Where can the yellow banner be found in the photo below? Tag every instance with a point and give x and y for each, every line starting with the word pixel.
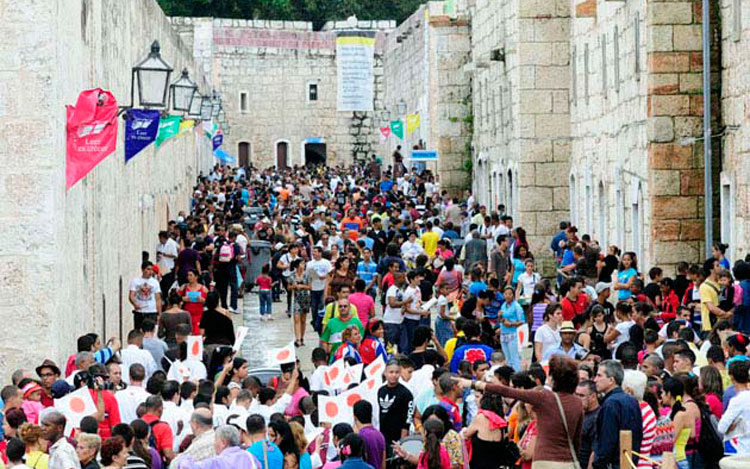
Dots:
pixel 412 123
pixel 355 41
pixel 186 126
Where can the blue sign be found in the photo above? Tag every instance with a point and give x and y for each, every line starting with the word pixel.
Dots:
pixel 314 140
pixel 140 131
pixel 218 140
pixel 424 155
pixel 223 157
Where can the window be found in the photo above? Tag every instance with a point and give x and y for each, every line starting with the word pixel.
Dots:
pixel 510 209
pixel 604 65
pixel 589 208
pixel 616 46
pixel 727 201
pixel 637 45
pixel 243 101
pixel 586 72
pixel 620 214
pixel 736 20
pixel 573 200
pixel 574 75
pixel 637 222
pixel 602 216
pixel 312 91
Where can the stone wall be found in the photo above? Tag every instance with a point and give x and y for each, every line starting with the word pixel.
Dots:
pixel 424 67
pixel 609 180
pixel 272 63
pixel 734 208
pixel 521 112
pixel 71 254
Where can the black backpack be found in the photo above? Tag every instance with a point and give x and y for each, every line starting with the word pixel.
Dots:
pixel 710 442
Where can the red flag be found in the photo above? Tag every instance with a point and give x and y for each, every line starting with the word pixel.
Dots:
pixel 91 133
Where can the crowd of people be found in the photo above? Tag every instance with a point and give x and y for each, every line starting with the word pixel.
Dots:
pixel 486 363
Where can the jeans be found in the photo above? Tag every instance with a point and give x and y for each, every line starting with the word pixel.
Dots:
pixel 684 464
pixel 443 330
pixel 233 288
pixel 265 302
pixel 509 343
pixel 396 335
pixel 318 309
pixel 138 318
pixel 409 326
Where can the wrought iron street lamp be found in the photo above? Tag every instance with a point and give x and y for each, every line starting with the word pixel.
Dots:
pixel 402 108
pixel 217 106
pixel 152 74
pixel 206 107
pixel 183 92
pixel 195 105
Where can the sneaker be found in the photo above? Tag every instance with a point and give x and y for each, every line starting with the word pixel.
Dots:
pixel 233 311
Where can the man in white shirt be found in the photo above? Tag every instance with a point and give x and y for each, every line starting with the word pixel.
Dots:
pixel 393 316
pixel 145 296
pixel 166 252
pixel 62 455
pixel 134 353
pixel 172 414
pixel 134 395
pixel 318 269
pixel 735 422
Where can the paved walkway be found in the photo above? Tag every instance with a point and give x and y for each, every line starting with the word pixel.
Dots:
pixel 264 336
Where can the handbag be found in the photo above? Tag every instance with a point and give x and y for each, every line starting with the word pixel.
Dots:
pixel 576 464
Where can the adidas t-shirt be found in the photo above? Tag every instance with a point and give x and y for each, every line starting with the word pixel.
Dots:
pixel 396 409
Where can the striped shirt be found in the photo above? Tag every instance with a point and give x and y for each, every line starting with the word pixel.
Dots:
pixel 649 433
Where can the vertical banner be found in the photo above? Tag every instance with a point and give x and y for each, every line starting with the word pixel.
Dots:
pixel 140 131
pixel 186 126
pixel 168 128
pixel 91 131
pixel 412 123
pixel 385 132
pixel 449 8
pixel 355 58
pixel 397 128
pixel 217 140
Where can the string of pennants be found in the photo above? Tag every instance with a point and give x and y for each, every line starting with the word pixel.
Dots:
pixel 396 127
pixel 91 131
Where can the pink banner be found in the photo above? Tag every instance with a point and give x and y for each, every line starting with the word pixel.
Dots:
pixel 91 133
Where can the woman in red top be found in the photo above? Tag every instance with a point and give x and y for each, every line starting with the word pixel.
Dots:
pixel 193 295
pixel 669 303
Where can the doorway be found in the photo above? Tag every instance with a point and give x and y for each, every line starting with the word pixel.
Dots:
pixel 243 150
pixel 282 150
pixel 315 154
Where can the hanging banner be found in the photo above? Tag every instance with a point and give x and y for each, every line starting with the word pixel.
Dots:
pixel 168 128
pixel 385 132
pixel 355 59
pixel 218 140
pixel 449 8
pixel 141 128
pixel 186 126
pixel 397 127
pixel 424 155
pixel 412 123
pixel 210 128
pixel 91 130
pixel 223 157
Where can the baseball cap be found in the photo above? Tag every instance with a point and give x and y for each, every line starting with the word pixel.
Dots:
pixel 60 388
pixel 601 286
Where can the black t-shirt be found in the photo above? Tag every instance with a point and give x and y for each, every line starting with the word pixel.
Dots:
pixel 610 265
pixel 418 359
pixel 218 327
pixel 396 410
pixel 680 285
pixel 652 290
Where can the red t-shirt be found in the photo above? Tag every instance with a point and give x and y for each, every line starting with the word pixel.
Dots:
pixel 264 282
pixel 162 432
pixel 570 309
pixel 111 413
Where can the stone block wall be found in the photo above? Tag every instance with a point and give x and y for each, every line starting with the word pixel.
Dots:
pixel 72 250
pixel 733 210
pixel 608 180
pixel 522 113
pixel 675 111
pixel 273 63
pixel 424 66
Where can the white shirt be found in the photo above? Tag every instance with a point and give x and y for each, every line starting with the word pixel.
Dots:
pixel 166 264
pixel 62 455
pixel 145 294
pixel 128 401
pixel 737 411
pixel 528 282
pixel 267 410
pixel 411 250
pixel 177 420
pixel 133 354
pixel 318 273
pixel 317 379
pixel 413 294
pixel 548 337
pixel 242 241
pixel 624 329
pixel 393 315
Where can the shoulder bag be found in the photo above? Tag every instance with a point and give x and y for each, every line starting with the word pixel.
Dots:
pixel 576 464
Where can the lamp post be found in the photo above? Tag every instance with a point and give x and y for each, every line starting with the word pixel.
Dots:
pixel 183 92
pixel 402 108
pixel 206 107
pixel 216 104
pixel 195 105
pixel 152 74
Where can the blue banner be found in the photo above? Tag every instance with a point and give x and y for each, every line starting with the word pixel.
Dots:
pixel 424 155
pixel 223 157
pixel 217 140
pixel 141 128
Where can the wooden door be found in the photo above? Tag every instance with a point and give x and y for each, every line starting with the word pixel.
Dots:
pixel 244 151
pixel 281 154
